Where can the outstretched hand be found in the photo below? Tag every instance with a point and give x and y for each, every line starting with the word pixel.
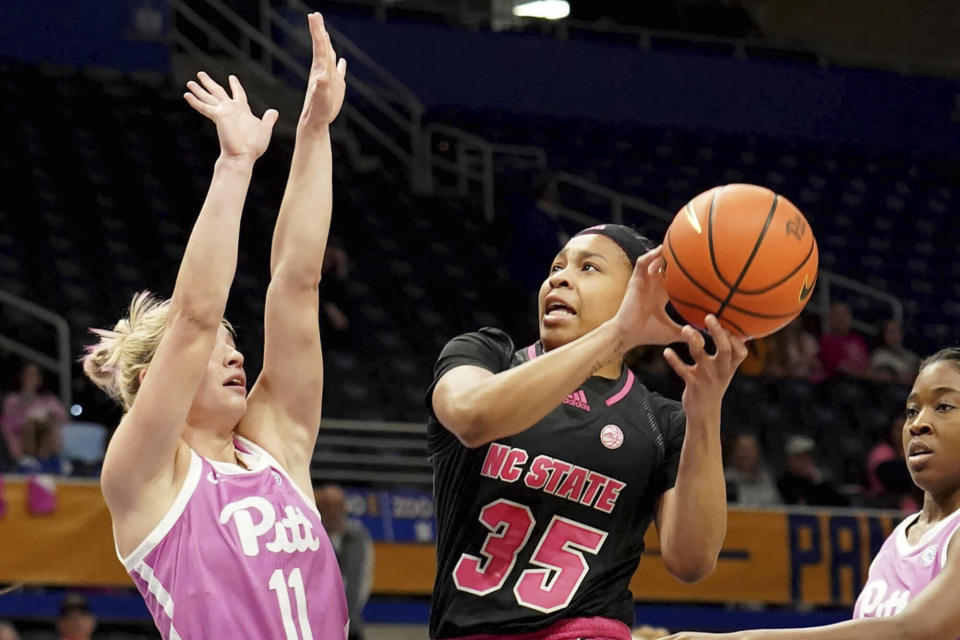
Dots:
pixel 709 376
pixel 326 84
pixel 242 135
pixel 642 317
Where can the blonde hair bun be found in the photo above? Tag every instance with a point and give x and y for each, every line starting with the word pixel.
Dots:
pixel 115 361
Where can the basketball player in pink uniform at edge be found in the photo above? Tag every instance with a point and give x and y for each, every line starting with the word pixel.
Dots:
pixel 208 487
pixel 911 590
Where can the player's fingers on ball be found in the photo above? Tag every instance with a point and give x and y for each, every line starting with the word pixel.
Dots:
pixel 650 257
pixel 655 268
pixel 695 342
pixel 739 349
pixel 721 339
pixel 211 86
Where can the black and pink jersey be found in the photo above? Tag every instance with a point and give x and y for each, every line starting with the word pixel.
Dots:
pixel 547 526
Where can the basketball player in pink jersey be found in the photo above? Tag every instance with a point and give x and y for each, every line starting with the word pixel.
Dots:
pixel 911 590
pixel 209 488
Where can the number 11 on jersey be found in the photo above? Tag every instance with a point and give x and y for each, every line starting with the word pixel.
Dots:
pixel 280 586
pixel 559 552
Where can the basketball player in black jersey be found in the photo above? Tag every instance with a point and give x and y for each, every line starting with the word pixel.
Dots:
pixel 551 461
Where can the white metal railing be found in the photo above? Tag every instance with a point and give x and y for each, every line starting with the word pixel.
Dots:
pixel 474 161
pixel 60 364
pixel 827 282
pixel 392 115
pixel 387 97
pixel 185 12
pixel 617 203
pixel 387 453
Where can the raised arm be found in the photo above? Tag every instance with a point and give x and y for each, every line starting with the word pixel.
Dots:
pixel 691 517
pixel 283 412
pixel 142 451
pixel 479 407
pixel 932 615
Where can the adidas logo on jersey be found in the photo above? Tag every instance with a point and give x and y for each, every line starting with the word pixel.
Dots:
pixel 578 399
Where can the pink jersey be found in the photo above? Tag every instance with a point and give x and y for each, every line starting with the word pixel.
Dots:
pixel 241 554
pixel 902 570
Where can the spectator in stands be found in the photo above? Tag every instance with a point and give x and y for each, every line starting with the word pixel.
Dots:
pixel 8 632
pixel 31 400
pixel 354 548
pixel 794 353
pixel 842 351
pixel 804 482
pixel 334 274
pixel 76 622
pixel 888 480
pixel 749 482
pixel 891 361
pixel 42 443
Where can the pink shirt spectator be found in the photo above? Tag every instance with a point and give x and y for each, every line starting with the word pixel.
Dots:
pixel 241 554
pixel 879 454
pixel 902 570
pixel 846 354
pixel 17 408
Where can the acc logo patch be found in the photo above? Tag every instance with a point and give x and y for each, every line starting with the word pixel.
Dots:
pixel 611 436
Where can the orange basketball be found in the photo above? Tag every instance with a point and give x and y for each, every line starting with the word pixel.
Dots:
pixel 744 254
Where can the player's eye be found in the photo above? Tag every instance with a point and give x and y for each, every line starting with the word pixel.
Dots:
pixel 943 407
pixel 556 268
pixel 588 266
pixel 911 412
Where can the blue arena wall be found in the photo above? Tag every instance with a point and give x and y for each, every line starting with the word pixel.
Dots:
pixel 537 75
pixel 84 33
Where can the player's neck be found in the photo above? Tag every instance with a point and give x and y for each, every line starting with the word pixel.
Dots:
pixel 611 371
pixel 211 445
pixel 936 508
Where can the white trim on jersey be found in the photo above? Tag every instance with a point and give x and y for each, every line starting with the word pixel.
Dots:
pixel 264 454
pixel 132 561
pixel 904 548
pixel 154 586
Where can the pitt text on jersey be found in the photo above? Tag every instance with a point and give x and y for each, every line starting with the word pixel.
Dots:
pixel 553 476
pixel 291 534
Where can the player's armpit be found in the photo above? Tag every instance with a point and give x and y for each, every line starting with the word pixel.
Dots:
pixel 454 403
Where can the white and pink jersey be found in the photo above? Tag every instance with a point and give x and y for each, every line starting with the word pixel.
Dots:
pixel 241 554
pixel 902 570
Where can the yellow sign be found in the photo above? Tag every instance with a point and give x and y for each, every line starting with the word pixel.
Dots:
pixel 776 556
